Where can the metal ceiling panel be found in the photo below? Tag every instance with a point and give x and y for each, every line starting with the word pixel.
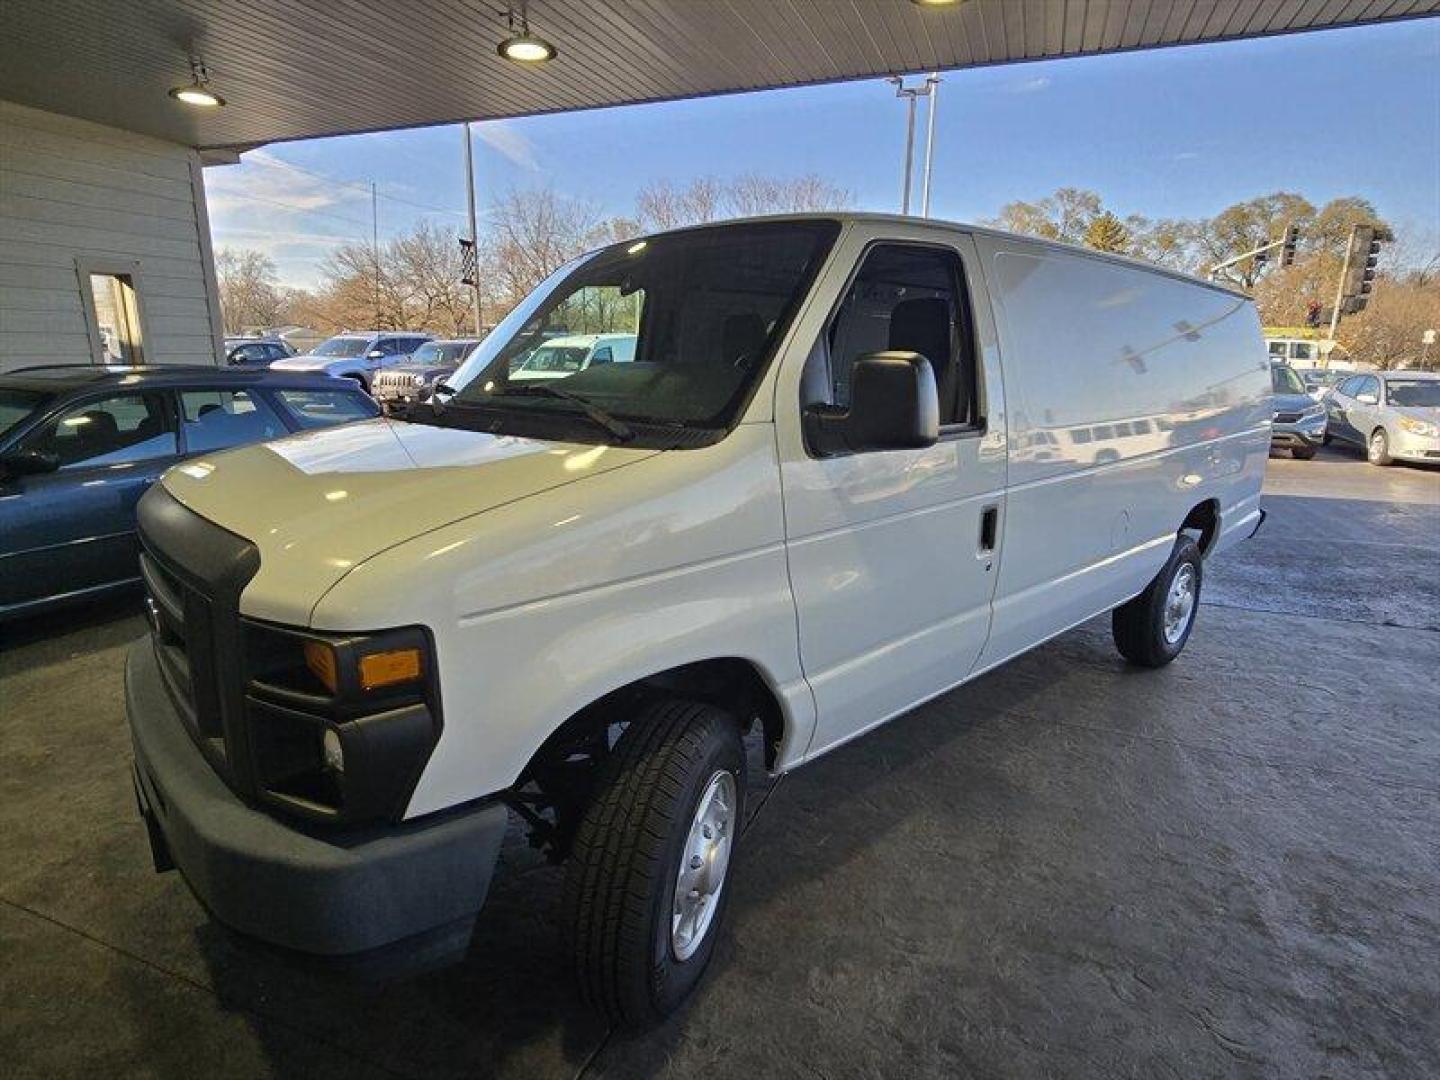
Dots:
pixel 292 69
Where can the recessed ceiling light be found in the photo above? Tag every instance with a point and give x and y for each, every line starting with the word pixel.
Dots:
pixel 935 3
pixel 523 47
pixel 197 91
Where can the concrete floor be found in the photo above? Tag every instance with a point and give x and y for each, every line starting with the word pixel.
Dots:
pixel 1067 868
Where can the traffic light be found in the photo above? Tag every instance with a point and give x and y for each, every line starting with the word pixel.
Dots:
pixel 1287 250
pixel 468 273
pixel 1362 258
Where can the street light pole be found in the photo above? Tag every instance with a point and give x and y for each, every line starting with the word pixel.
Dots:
pixel 375 246
pixel 470 197
pixel 910 94
pixel 933 84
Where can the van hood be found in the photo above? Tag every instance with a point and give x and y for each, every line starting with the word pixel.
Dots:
pixel 318 504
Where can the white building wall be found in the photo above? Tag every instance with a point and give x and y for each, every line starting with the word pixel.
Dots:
pixel 75 194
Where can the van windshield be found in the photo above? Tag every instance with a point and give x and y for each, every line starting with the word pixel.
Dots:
pixel 705 309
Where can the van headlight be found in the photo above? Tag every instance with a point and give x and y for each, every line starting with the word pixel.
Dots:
pixel 1419 427
pixel 340 725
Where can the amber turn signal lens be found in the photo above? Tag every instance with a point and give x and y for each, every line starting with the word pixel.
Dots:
pixel 320 659
pixel 388 668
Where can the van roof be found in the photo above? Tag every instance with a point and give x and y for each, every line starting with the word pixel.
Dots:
pixel 845 217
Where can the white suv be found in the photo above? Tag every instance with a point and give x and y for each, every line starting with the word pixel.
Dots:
pixel 829 485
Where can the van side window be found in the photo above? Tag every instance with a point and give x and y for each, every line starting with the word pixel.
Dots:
pixel 904 298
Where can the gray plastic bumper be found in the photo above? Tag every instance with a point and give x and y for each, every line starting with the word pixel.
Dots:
pixel 340 895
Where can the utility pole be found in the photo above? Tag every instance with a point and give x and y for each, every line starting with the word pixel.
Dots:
pixel 470 197
pixel 1340 286
pixel 910 93
pixel 933 82
pixel 375 247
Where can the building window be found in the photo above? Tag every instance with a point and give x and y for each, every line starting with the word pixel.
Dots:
pixel 110 292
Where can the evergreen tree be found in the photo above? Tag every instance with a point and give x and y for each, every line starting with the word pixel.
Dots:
pixel 1108 233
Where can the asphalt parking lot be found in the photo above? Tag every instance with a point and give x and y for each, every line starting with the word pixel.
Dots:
pixel 1067 868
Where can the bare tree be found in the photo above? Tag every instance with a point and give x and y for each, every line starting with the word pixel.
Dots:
pixel 660 205
pixel 535 232
pixel 427 261
pixel 250 297
pixel 752 194
pixel 1065 215
pixel 1388 333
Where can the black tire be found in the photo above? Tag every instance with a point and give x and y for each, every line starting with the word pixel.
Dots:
pixel 1139 624
pixel 1377 450
pixel 621 878
pixel 1302 453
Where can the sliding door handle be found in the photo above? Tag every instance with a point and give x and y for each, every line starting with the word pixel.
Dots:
pixel 989 524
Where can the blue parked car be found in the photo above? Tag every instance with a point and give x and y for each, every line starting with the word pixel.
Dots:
pixel 79 445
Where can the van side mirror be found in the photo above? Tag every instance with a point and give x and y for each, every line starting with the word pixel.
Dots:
pixel 894 405
pixel 29 463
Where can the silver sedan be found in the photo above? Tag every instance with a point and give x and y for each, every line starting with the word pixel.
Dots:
pixel 1391 415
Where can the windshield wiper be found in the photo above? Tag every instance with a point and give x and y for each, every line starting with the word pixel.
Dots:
pixel 599 416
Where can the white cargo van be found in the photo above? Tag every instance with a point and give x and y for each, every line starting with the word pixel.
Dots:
pixel 841 475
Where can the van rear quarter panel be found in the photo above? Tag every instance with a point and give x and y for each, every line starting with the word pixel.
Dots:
pixel 1133 396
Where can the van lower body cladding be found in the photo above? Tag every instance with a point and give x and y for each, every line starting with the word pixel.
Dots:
pixel 401 894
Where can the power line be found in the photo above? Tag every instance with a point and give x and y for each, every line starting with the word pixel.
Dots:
pixel 297 207
pixel 361 187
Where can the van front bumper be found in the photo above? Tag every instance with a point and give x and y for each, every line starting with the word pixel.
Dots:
pixel 378 899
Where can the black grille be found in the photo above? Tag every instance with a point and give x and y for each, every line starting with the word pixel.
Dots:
pixel 194 572
pixel 1286 417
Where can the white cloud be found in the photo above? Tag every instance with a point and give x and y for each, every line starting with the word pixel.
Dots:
pixel 1028 86
pixel 261 178
pixel 508 142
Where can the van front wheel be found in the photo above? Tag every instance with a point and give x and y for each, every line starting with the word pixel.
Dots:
pixel 1151 629
pixel 645 888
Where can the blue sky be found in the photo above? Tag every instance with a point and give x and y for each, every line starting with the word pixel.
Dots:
pixel 1171 133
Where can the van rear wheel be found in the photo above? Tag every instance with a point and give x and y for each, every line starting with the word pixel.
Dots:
pixel 1151 629
pixel 645 888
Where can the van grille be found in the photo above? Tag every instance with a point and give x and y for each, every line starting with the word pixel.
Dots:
pixel 193 572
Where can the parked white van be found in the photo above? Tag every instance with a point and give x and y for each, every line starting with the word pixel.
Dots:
pixel 815 498
pixel 561 357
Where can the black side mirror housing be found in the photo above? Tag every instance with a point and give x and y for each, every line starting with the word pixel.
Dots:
pixel 29 463
pixel 894 405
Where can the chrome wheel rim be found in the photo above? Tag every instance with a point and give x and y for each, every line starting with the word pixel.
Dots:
pixel 1377 446
pixel 1180 603
pixel 703 864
